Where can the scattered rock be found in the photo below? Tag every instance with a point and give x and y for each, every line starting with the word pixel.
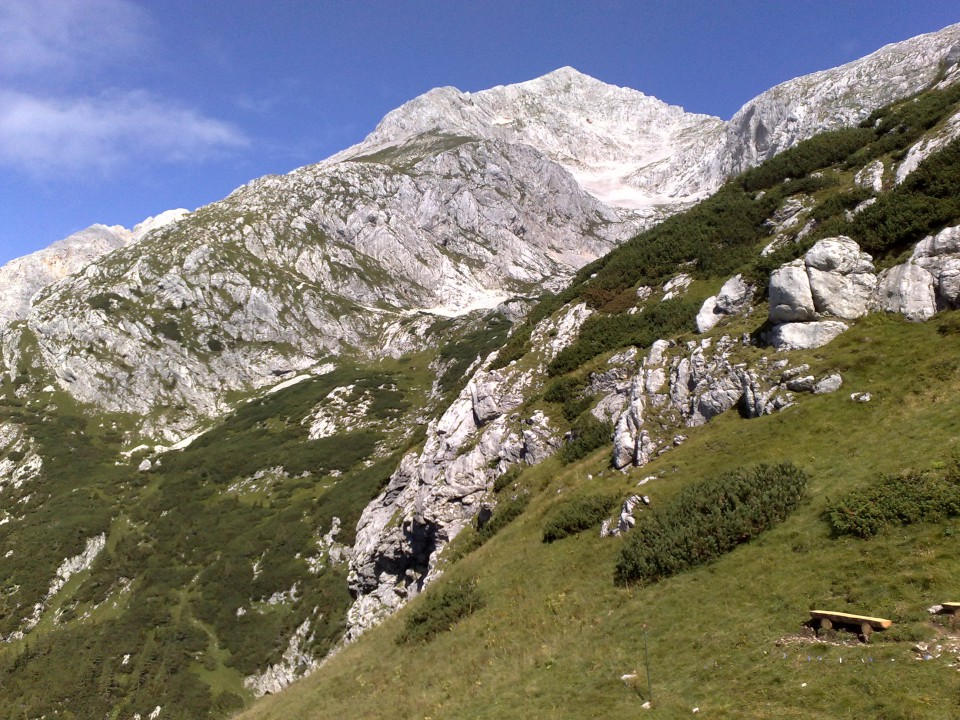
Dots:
pixel 733 298
pixel 829 384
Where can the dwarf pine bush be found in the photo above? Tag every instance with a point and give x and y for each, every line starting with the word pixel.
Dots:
pixel 441 609
pixel 577 514
pixel 899 500
pixel 708 519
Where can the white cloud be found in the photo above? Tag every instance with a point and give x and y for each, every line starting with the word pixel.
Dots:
pixel 66 38
pixel 51 53
pixel 44 136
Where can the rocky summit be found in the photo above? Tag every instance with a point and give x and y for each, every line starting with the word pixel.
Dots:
pixel 236 442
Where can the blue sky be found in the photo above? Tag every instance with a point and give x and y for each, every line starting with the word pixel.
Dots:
pixel 115 110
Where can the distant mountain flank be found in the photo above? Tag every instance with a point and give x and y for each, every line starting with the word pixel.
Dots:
pixel 21 279
pixel 634 151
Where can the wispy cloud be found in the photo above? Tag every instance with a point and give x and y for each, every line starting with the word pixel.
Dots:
pixel 51 53
pixel 42 136
pixel 54 37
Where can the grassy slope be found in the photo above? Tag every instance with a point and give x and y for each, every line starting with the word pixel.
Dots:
pixel 556 634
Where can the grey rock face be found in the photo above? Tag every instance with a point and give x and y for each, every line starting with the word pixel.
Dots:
pixel 23 278
pixel 842 284
pixel 871 176
pixel 327 260
pixel 678 387
pixel 908 289
pixel 835 279
pixel 841 278
pixel 840 97
pixel 791 299
pixel 930 144
pixel 733 298
pixel 940 256
pixel 433 495
pixel 626 520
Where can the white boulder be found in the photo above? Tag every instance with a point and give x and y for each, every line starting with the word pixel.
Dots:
pixel 791 299
pixel 908 289
pixel 805 335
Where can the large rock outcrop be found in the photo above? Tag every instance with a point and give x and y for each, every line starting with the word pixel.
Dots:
pixel 435 493
pixel 682 386
pixel 810 297
pixel 835 281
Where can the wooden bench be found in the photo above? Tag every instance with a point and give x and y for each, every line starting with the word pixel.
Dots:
pixel 826 619
pixel 951 608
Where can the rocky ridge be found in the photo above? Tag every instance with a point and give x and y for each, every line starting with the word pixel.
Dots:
pixel 21 279
pixel 332 259
pixel 435 493
pixel 634 151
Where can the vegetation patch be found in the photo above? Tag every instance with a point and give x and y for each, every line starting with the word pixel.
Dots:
pixel 440 609
pixel 457 356
pixel 588 434
pixel 507 510
pixel 709 519
pixel 577 514
pixel 901 500
pixel 601 333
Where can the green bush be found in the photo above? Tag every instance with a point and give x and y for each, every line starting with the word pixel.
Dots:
pixel 571 393
pixel 709 519
pixel 507 479
pixel 587 435
pixel 577 514
pixel 899 500
pixel 601 333
pixel 806 157
pixel 924 203
pixel 505 513
pixel 439 610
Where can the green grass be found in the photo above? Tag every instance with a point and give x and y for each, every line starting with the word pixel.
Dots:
pixel 556 633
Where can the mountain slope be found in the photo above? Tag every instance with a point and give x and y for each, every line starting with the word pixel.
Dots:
pixel 330 260
pixel 340 337
pixel 526 627
pixel 634 151
pixel 23 278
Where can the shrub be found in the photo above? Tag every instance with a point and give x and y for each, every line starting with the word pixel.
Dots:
pixel 900 500
pixel 505 513
pixel 709 519
pixel 507 479
pixel 601 333
pixel 576 515
pixel 925 202
pixel 439 610
pixel 588 434
pixel 804 158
